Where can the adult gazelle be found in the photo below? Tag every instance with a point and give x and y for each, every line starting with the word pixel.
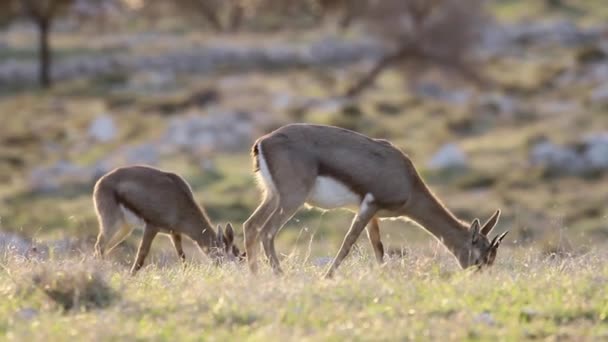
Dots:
pixel 331 167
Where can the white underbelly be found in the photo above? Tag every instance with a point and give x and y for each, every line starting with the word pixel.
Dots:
pixel 329 193
pixel 131 218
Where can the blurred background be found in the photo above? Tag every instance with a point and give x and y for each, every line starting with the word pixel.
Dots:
pixel 500 103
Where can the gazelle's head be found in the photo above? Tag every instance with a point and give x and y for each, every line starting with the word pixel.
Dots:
pixel 479 251
pixel 225 244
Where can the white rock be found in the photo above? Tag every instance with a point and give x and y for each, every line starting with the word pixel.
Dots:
pixel 51 178
pixel 12 243
pixel 600 95
pixel 218 131
pixel 494 103
pixel 450 156
pixel 103 129
pixel 322 261
pixel 485 318
pixel 596 151
pixel 559 159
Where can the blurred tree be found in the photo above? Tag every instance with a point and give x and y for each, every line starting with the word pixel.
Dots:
pixel 220 15
pixel 8 9
pixel 231 15
pixel 41 13
pixel 439 33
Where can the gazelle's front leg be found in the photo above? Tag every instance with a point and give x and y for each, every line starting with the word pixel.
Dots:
pixel 367 210
pixel 373 233
pixel 176 238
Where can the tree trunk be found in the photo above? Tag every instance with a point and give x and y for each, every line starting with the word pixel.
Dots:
pixel 44 52
pixel 236 17
pixel 369 78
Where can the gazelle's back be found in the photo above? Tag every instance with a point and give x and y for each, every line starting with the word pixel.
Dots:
pixel 159 198
pixel 349 157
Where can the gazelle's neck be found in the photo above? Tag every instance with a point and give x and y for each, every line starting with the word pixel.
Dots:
pixel 426 210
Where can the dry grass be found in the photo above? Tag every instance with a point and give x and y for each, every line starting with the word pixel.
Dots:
pixel 422 296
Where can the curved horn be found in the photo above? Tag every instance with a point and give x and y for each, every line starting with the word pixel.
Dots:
pixel 498 239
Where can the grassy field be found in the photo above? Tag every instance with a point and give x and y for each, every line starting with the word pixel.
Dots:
pixel 421 296
pixel 551 277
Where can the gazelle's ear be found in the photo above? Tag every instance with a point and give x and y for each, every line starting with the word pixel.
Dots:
pixel 475 228
pixel 229 234
pixel 489 225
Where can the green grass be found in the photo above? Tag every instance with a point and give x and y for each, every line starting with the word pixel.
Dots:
pixel 419 297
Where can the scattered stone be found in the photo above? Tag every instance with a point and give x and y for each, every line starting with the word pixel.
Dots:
pixel 599 95
pixel 485 318
pixel 153 81
pixel 51 178
pixel 13 243
pixel 435 91
pixel 218 131
pixel 596 152
pixel 588 156
pixel 449 156
pixel 26 314
pixel 103 129
pixel 322 261
pixel 559 107
pixel 496 104
pixel 557 159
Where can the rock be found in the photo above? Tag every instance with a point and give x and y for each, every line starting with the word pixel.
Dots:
pixel 322 261
pixel 551 32
pixel 219 131
pixel 142 154
pixel 588 156
pixel 449 156
pixel 485 318
pixel 152 81
pixel 557 159
pixel 103 129
pixel 435 91
pixel 52 178
pixel 599 95
pixel 14 244
pixel 26 314
pixel 496 104
pixel 596 151
pixel 559 107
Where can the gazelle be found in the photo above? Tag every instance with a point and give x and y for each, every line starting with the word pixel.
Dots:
pixel 161 202
pixel 331 167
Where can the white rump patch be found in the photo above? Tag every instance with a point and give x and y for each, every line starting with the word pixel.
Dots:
pixel 130 217
pixel 329 193
pixel 263 176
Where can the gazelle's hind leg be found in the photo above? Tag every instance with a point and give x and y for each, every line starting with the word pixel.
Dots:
pixel 253 226
pixel 113 229
pixel 285 211
pixel 119 236
pixel 373 234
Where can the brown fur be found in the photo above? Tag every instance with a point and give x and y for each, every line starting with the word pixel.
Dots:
pixel 297 154
pixel 165 204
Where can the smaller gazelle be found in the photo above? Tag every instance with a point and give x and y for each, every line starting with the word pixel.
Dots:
pixel 331 167
pixel 161 202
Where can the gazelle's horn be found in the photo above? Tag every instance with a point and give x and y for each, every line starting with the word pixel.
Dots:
pixel 498 239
